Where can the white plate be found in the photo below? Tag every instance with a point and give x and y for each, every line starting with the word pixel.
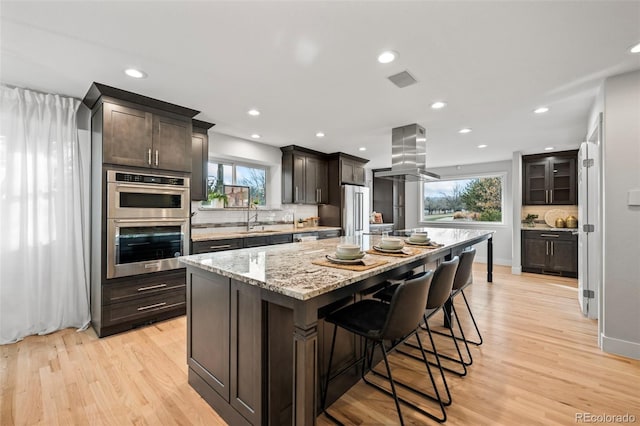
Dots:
pixel 421 243
pixel 381 250
pixel 343 261
pixel 349 257
pixel 553 214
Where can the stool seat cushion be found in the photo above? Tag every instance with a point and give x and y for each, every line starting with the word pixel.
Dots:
pixel 365 318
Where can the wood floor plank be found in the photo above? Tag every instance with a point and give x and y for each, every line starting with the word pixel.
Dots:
pixel 539 365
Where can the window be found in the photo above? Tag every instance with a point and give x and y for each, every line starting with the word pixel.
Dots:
pixel 236 174
pixel 474 199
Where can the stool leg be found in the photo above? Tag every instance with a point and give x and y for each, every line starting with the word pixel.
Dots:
pixel 393 387
pixel 478 343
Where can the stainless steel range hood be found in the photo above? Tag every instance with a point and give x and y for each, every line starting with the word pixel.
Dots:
pixel 408 155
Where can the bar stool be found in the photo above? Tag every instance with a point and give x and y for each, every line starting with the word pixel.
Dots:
pixel 463 279
pixel 439 293
pixel 378 322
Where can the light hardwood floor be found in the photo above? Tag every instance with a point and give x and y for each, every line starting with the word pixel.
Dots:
pixel 539 365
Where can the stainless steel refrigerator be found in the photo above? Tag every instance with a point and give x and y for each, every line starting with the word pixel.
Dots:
pixel 355 210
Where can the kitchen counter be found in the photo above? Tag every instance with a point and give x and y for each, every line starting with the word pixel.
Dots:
pixel 547 228
pixel 245 234
pixel 287 269
pixel 264 308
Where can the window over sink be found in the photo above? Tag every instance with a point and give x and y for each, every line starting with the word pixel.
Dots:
pixel 223 173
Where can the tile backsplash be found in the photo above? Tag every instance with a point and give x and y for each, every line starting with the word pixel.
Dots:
pixel 542 210
pixel 218 219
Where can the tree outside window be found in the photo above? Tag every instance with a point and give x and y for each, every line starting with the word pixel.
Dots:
pixel 234 174
pixel 472 199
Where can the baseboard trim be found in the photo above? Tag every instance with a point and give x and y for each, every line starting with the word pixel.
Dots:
pixel 621 347
pixel 516 270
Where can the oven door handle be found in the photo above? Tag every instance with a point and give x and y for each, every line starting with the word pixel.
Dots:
pixel 158 188
pixel 163 221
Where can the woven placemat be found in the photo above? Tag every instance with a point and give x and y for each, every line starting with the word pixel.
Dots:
pixel 358 268
pixel 379 253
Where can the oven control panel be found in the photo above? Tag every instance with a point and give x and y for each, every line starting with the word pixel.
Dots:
pixel 158 180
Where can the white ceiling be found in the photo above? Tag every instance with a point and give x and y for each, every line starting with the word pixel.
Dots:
pixel 311 66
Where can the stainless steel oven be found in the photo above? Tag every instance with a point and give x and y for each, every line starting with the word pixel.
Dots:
pixel 147 222
pixel 140 246
pixel 135 195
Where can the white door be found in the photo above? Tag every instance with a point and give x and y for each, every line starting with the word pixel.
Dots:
pixel 589 248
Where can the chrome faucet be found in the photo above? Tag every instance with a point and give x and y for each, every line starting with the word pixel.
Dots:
pixel 250 218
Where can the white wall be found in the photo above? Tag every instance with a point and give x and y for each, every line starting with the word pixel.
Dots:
pixel 621 172
pixel 502 238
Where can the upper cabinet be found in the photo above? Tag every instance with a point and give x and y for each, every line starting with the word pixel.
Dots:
pixel 304 176
pixel 199 159
pixel 139 131
pixel 352 170
pixel 550 179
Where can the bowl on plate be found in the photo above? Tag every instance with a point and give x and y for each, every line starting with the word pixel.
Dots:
pixel 418 237
pixel 348 251
pixel 391 243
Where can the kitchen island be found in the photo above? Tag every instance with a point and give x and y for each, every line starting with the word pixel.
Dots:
pixel 256 344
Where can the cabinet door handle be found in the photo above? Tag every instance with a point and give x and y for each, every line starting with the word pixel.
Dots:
pixel 220 247
pixel 551 192
pixel 149 156
pixel 546 248
pixel 156 157
pixel 152 287
pixel 550 235
pixel 295 196
pixel 551 247
pixel 155 305
pixel 546 196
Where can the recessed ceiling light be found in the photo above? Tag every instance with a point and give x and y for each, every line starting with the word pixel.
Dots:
pixel 438 105
pixel 132 72
pixel 465 130
pixel 387 57
pixel 482 146
pixel 549 148
pixel 320 135
pixel 362 148
pixel 635 49
pixel 253 112
pixel 541 110
pixel 255 136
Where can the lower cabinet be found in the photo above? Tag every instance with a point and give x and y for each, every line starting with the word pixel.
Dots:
pixel 225 345
pixel 209 246
pixel 138 300
pixel 550 252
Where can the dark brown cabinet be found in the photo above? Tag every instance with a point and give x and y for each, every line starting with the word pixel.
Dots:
pixel 135 137
pixel 224 342
pixel 209 246
pixel 199 159
pixel 352 172
pixel 304 176
pixel 550 179
pixel 550 252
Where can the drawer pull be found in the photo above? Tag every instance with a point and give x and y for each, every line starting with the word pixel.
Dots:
pixel 152 287
pixel 222 246
pixel 156 305
pixel 550 235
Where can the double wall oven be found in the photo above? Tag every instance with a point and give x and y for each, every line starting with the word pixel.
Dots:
pixel 147 222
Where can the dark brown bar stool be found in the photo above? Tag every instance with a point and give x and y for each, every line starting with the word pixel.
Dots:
pixel 462 280
pixel 378 322
pixel 439 293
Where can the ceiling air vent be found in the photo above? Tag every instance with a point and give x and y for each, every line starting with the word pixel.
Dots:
pixel 402 79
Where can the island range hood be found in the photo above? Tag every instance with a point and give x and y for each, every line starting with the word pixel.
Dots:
pixel 408 155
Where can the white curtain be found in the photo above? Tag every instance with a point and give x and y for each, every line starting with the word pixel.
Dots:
pixel 44 181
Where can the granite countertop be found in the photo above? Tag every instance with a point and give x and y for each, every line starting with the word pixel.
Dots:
pixel 287 269
pixel 547 228
pixel 245 234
